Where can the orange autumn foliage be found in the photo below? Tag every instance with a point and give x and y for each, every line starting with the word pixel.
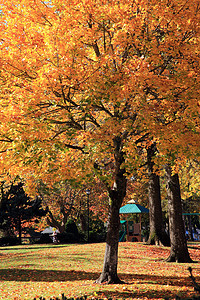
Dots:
pixel 76 74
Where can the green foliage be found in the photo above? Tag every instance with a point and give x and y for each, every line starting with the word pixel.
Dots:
pixel 97 232
pixel 97 225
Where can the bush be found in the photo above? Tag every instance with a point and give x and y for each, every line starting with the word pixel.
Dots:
pixel 97 230
pixel 96 237
pixel 44 239
pixel 9 241
pixel 82 236
pixel 67 238
pixel 71 227
pixel 71 234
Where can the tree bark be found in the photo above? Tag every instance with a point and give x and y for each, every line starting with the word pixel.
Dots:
pixel 20 229
pixel 51 221
pixel 157 234
pixel 179 251
pixel 109 272
pixel 116 194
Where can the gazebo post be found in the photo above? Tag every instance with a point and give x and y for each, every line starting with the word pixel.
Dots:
pixel 127 235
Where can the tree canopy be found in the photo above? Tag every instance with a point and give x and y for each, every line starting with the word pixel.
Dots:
pixel 74 76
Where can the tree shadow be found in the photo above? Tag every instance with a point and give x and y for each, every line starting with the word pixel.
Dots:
pixel 136 285
pixel 23 274
pixel 15 274
pixel 156 279
pixel 143 294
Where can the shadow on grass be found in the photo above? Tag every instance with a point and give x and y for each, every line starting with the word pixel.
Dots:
pixel 53 275
pixel 193 247
pixel 143 294
pixel 136 285
pixel 158 280
pixel 15 274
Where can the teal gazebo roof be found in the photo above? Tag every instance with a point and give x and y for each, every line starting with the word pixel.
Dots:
pixel 133 208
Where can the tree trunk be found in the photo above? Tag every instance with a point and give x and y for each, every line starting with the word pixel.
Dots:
pixel 51 221
pixel 116 194
pixel 83 222
pixel 179 251
pixel 157 234
pixel 109 273
pixel 20 229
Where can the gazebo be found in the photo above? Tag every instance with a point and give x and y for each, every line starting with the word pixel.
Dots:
pixel 133 231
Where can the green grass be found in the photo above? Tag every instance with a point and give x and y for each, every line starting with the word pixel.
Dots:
pixel 30 271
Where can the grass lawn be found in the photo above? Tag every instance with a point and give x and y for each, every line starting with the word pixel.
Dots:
pixel 30 271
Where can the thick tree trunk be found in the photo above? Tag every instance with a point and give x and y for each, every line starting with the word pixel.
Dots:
pixel 157 234
pixel 179 251
pixel 109 273
pixel 116 194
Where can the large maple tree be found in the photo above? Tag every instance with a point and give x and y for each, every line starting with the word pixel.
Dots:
pixel 84 84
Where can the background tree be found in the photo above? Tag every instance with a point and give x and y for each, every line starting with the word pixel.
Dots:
pixel 157 233
pixel 189 183
pixel 17 208
pixel 189 175
pixel 64 201
pixel 179 251
pixel 61 201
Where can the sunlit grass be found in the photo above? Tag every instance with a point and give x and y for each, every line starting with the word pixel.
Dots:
pixel 50 270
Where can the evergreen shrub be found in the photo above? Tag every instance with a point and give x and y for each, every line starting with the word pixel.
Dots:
pixel 71 234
